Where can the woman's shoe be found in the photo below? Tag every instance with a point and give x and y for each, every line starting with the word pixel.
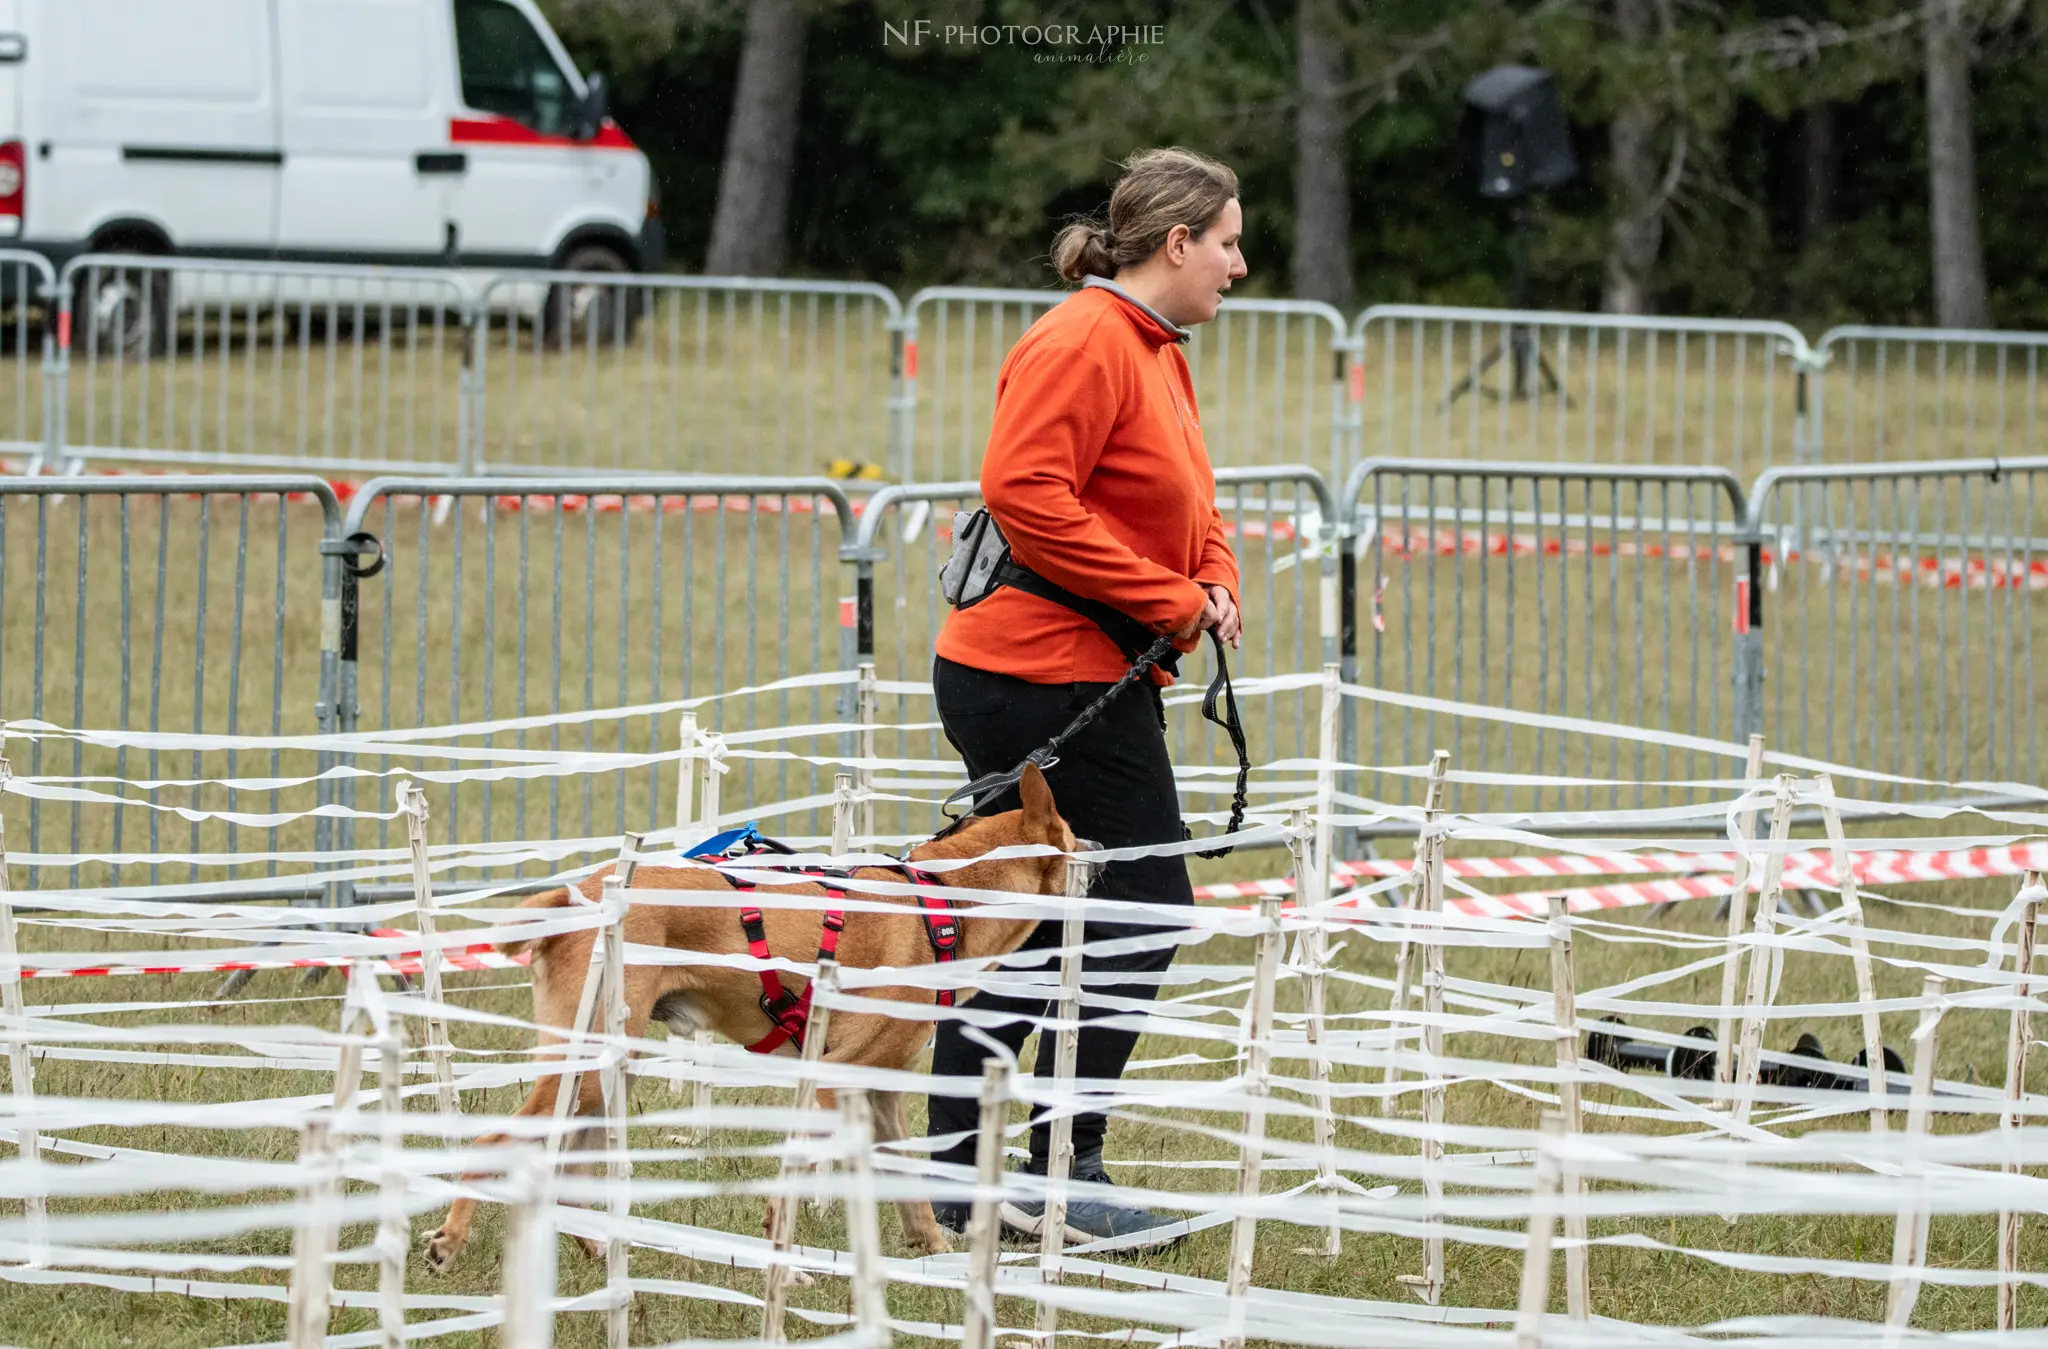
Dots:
pixel 1097 1220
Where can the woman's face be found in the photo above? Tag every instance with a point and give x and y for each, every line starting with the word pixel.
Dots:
pixel 1208 266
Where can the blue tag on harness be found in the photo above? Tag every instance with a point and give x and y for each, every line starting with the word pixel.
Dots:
pixel 718 845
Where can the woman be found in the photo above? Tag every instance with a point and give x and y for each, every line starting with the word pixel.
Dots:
pixel 1097 473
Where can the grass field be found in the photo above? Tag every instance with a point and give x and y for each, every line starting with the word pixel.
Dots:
pixel 486 613
pixel 1636 1285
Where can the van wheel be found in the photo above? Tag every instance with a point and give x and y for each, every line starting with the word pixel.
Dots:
pixel 604 313
pixel 123 311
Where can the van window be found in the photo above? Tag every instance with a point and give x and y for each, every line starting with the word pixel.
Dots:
pixel 507 69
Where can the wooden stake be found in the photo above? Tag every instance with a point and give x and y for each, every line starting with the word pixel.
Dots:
pixel 1432 803
pixel 319 1231
pixel 616 1084
pixel 2015 1090
pixel 1859 951
pixel 782 1209
pixel 530 1271
pixel 1750 1060
pixel 1251 1156
pixel 20 1063
pixel 868 705
pixel 1059 1162
pixel 686 777
pixel 1534 1303
pixel 864 1233
pixel 575 1042
pixel 978 1321
pixel 1312 948
pixel 306 1308
pixel 1738 918
pixel 413 801
pixel 394 1229
pixel 1564 1010
pixel 842 814
pixel 1909 1234
pixel 1433 1052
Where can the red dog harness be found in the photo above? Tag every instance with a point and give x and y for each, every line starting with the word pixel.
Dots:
pixel 791 1012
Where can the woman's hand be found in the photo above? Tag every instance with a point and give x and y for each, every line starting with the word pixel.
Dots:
pixel 1229 623
pixel 1207 619
pixel 1219 611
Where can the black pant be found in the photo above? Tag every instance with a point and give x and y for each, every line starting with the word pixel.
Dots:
pixel 1113 784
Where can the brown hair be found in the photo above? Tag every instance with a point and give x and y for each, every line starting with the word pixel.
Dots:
pixel 1159 189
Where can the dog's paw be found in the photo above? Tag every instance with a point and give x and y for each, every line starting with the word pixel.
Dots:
pixel 591 1247
pixel 934 1243
pixel 440 1249
pixel 799 1279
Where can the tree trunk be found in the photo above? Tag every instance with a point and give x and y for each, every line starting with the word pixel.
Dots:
pixel 1322 178
pixel 1959 289
pixel 1638 212
pixel 1817 204
pixel 750 225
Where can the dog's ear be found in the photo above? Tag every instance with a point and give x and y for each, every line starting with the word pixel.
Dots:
pixel 1040 818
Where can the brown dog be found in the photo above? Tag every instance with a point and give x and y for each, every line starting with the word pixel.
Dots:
pixel 728 1001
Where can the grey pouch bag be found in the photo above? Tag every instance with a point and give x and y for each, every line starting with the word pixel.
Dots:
pixel 979 551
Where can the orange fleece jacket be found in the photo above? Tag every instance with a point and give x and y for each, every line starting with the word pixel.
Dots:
pixel 1097 472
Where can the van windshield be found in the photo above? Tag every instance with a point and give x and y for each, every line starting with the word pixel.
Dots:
pixel 507 69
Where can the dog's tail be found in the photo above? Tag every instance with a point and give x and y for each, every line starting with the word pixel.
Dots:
pixel 546 899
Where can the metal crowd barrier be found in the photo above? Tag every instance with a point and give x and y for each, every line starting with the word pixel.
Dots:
pixel 508 604
pixel 1931 393
pixel 247 364
pixel 29 396
pixel 1876 615
pixel 190 605
pixel 1600 593
pixel 1533 386
pixel 584 372
pixel 1269 377
pixel 1900 629
pixel 274 365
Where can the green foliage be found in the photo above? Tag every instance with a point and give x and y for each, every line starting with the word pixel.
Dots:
pixel 957 161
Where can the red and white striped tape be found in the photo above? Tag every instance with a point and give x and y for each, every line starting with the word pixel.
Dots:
pixel 480 956
pixel 1704 875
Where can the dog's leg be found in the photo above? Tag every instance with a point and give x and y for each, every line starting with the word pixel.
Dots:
pixel 447 1241
pixel 921 1230
pixel 555 1001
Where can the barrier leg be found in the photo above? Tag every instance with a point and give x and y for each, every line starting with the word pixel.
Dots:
pixel 1059 1162
pixel 2015 1088
pixel 863 1231
pixel 1244 1228
pixel 1738 918
pixel 1749 1062
pixel 782 1209
pixel 413 801
pixel 1432 802
pixel 1859 951
pixel 978 1318
pixel 1534 1303
pixel 1909 1234
pixel 1564 1009
pixel 1312 949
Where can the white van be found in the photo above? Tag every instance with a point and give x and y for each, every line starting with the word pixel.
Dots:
pixel 411 132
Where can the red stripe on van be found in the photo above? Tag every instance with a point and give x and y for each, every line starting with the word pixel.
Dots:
pixel 496 130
